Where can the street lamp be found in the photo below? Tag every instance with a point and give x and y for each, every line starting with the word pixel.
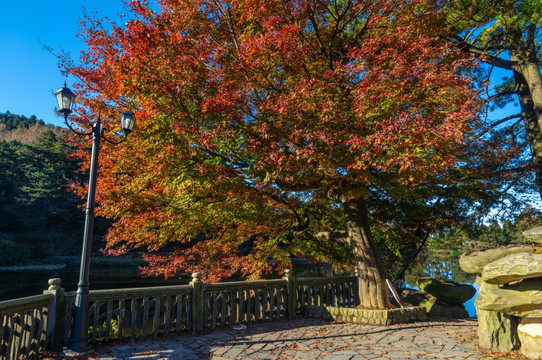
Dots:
pixel 78 341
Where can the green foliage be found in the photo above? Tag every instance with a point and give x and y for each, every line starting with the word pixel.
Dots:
pixel 102 327
pixel 37 208
pixel 9 171
pixel 13 121
pixel 504 37
pixel 12 253
pixel 46 168
pixel 441 265
pixel 38 170
pixel 490 235
pixel 440 257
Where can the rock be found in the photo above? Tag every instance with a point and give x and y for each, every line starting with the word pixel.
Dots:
pixel 447 291
pixel 513 268
pixel 475 261
pixel 432 306
pixel 534 235
pixel 418 298
pixel 497 331
pixel 453 311
pixel 523 299
pixel 530 336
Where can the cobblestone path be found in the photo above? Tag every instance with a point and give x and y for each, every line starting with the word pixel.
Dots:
pixel 313 339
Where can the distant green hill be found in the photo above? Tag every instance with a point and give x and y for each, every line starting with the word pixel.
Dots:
pixel 13 121
pixel 40 216
pixel 23 129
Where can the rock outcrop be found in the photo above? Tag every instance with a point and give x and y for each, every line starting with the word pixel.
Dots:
pixel 534 235
pixel 497 331
pixel 440 298
pixel 475 261
pixel 513 268
pixel 523 299
pixel 447 291
pixel 530 336
pixel 509 304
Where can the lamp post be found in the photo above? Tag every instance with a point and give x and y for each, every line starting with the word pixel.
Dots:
pixel 78 341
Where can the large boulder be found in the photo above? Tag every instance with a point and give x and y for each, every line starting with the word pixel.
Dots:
pixel 453 311
pixel 447 291
pixel 475 261
pixel 523 299
pixel 418 298
pixel 497 331
pixel 534 235
pixel 512 268
pixel 433 306
pixel 530 336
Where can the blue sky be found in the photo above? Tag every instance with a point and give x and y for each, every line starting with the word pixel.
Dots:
pixel 29 74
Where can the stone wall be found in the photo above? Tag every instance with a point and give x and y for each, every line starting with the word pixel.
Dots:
pixel 369 317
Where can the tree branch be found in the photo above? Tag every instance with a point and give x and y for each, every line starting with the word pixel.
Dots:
pixel 324 236
pixel 504 93
pixel 338 236
pixel 520 169
pixel 483 56
pixel 497 123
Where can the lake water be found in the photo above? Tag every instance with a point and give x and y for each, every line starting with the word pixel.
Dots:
pixel 21 283
pixel 469 305
pixel 16 284
pixel 30 282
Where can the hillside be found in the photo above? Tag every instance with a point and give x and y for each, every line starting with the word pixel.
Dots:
pixel 39 216
pixel 23 129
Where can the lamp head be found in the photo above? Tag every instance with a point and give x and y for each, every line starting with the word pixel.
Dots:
pixel 127 122
pixel 64 99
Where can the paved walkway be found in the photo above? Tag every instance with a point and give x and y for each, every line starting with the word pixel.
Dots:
pixel 313 339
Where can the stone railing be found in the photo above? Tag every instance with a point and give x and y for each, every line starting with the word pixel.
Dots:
pixel 138 313
pixel 122 314
pixel 340 291
pixel 227 304
pixel 25 326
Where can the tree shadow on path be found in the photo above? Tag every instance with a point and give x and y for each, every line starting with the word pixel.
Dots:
pixel 308 338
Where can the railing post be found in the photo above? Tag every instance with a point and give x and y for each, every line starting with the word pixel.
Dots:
pixel 290 292
pixel 356 287
pixel 236 301
pixel 55 326
pixel 197 302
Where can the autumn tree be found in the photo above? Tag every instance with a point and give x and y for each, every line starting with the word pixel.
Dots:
pixel 506 36
pixel 278 127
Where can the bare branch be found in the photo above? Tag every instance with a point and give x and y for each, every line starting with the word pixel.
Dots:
pixel 504 93
pixel 483 55
pixel 519 169
pixel 497 123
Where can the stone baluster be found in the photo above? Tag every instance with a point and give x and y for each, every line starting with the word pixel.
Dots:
pixel 55 326
pixel 197 302
pixel 290 292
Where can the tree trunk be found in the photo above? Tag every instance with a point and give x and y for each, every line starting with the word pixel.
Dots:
pixel 529 90
pixel 373 290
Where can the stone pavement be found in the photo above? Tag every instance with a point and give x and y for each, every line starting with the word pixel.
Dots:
pixel 306 338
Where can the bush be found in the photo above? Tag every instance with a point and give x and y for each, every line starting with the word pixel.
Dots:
pixel 12 253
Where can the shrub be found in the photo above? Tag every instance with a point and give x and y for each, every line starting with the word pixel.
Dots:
pixel 12 253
